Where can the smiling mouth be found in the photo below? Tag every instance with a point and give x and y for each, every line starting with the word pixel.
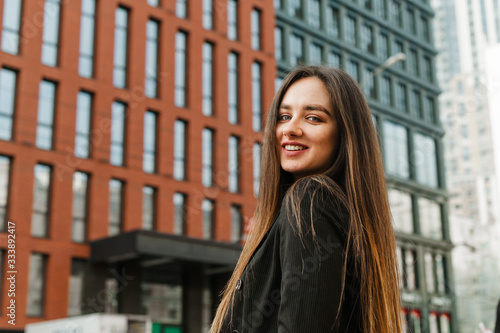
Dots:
pixel 294 148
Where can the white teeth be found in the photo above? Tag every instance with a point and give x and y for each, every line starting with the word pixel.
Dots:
pixel 290 147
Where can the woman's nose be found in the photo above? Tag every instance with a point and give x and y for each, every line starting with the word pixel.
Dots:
pixel 292 128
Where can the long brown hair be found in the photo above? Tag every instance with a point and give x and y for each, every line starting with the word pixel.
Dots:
pixel 358 173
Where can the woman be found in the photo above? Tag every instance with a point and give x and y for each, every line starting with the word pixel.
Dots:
pixel 321 256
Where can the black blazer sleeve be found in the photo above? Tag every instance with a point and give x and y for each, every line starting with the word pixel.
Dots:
pixel 312 266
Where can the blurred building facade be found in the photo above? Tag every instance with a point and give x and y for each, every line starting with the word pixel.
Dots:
pixel 129 153
pixel 468 31
pixel 361 37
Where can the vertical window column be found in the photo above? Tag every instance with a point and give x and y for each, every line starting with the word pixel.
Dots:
pixel 11 26
pixel 4 190
pixel 115 206
pixel 425 160
pixel 36 285
pixel 82 130
pixel 46 108
pixel 278 43
pixel 233 164
pixel 256 168
pixel 207 157
pixel 232 19
pixel 180 150
pixel 80 199
pixel 149 144
pixel 50 36
pixel 87 36
pixel 117 150
pixel 41 201
pixel 232 88
pixel 180 69
pixel 151 70
pixel 236 223
pixel 396 150
pixel 207 207
pixel 208 80
pixel 120 48
pixel 314 17
pixel 256 97
pixel 181 8
pixel 296 50
pixel 208 14
pixel 148 207
pixel 76 281
pixel 255 29
pixel 8 80
pixel 179 201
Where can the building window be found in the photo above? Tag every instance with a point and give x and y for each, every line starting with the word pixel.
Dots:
pixel 153 3
pixel 368 83
pixel 367 39
pixel 151 70
pixel 115 206
pixel 233 165
pixel 395 9
pixel 236 223
pixel 367 4
pixel 295 8
pixel 41 201
pixel 208 80
pixel 333 27
pixel 255 29
pixel 180 68
pixel 401 104
pixel 296 50
pixel 383 46
pixel 4 190
pixel 425 160
pixel 350 30
pixel 401 209
pixel 11 26
pixel 181 8
pixel 352 69
pixel 314 13
pixel 149 144
pixel 334 59
pixel 431 109
pixel 399 48
pixel 386 91
pixel 179 150
pixel 82 130
pixel 80 199
pixel 8 80
pixel 256 168
pixel 232 19
pixel 278 43
pixel 407 262
pixel 315 54
pixel 429 272
pixel 430 219
pixel 232 88
pixel 50 36
pixel 207 18
pixel 179 201
pixel 36 285
pixel 117 133
pixel 413 62
pixel 120 48
pixel 148 208
pixel 426 34
pixel 87 36
pixel 412 26
pixel 207 157
pixel 76 280
pixel 428 69
pixel 46 108
pixel 278 4
pixel 396 150
pixel 256 97
pixel 416 105
pixel 207 207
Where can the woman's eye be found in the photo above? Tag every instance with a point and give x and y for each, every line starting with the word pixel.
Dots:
pixel 284 117
pixel 314 119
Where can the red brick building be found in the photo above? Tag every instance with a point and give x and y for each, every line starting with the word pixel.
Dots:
pixel 128 115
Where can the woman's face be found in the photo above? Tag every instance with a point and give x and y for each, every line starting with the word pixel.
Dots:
pixel 306 133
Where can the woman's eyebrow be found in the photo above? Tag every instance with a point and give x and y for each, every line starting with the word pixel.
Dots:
pixel 285 106
pixel 317 107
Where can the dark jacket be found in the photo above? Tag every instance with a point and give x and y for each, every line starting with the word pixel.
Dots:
pixel 497 325
pixel 293 284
